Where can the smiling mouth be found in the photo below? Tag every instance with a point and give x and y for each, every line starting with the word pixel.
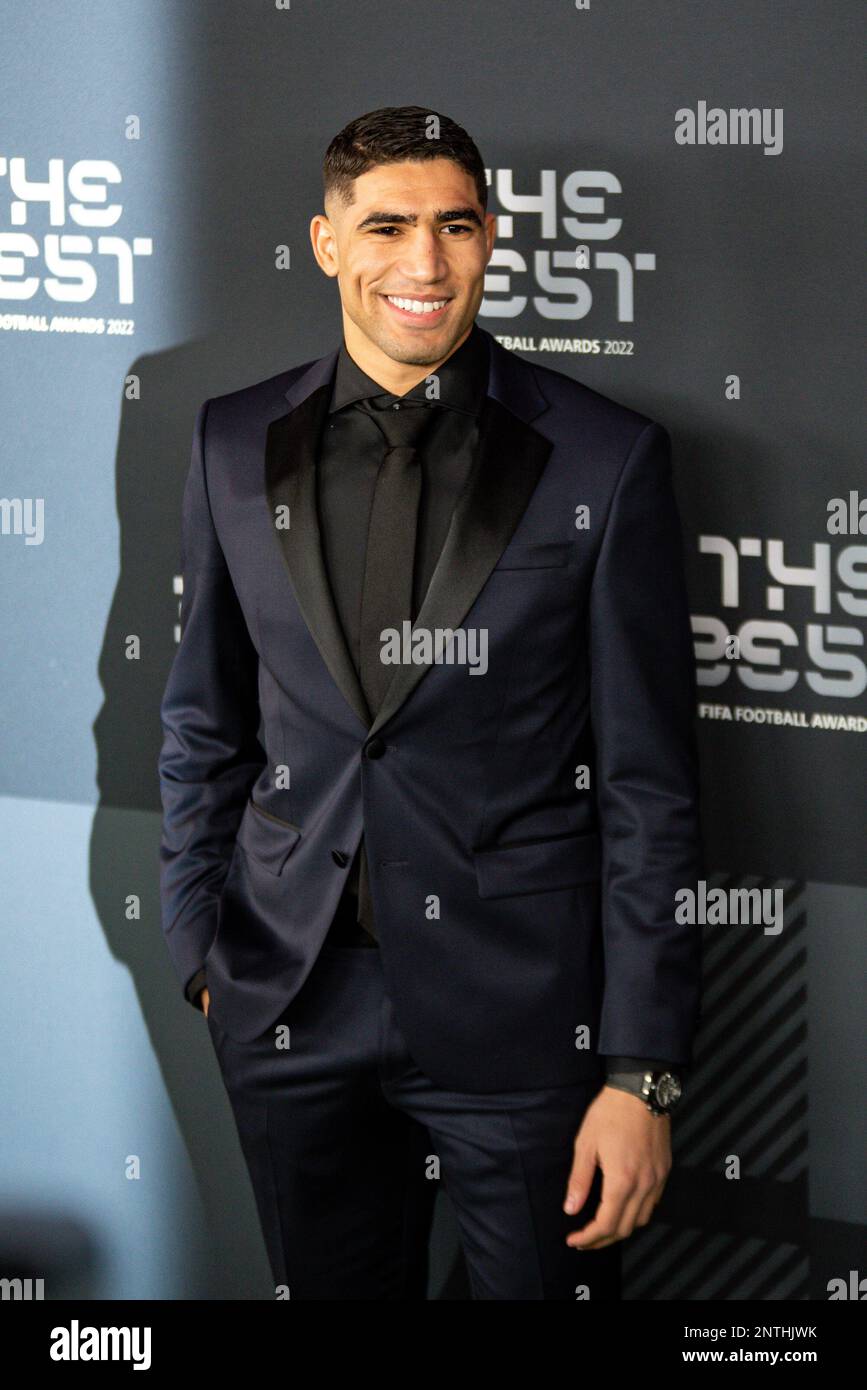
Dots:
pixel 417 308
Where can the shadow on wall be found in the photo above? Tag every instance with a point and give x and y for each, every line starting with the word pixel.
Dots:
pixel 43 1248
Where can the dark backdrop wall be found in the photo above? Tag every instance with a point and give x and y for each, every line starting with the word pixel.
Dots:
pixel 677 187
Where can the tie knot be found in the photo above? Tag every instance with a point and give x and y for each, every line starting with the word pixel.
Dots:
pixel 402 422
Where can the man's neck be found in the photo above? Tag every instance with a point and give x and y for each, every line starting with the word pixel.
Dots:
pixel 395 377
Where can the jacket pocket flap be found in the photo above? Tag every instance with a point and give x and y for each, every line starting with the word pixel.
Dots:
pixel 266 838
pixel 538 866
pixel 530 555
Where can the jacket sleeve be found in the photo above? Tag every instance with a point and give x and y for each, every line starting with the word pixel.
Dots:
pixel 210 754
pixel 642 701
pixel 194 989
pixel 636 1064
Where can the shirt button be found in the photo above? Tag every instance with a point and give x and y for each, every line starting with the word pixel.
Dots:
pixel 375 748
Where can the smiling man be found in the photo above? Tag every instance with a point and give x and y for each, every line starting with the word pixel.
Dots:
pixel 400 315
pixel 431 919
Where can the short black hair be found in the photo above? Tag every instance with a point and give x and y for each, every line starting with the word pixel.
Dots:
pixel 391 135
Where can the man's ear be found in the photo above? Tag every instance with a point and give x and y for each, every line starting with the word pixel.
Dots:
pixel 323 239
pixel 491 229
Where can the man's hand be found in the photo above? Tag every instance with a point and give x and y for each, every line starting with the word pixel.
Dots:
pixel 633 1149
pixel 205 1001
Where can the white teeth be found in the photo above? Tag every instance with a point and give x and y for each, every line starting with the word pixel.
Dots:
pixel 416 306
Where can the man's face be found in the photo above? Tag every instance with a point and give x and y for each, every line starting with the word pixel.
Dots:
pixel 415 232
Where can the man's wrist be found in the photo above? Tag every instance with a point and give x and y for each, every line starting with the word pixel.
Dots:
pixel 658 1086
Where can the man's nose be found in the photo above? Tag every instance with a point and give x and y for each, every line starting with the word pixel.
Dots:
pixel 423 258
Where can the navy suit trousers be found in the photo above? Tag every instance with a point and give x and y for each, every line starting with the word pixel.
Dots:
pixel 346 1142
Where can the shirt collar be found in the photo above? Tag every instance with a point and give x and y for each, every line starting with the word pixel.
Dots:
pixel 463 379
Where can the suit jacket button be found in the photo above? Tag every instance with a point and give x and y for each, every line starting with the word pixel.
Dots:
pixel 375 748
pixel 340 857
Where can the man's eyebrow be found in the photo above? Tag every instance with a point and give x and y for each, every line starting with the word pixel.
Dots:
pixel 409 219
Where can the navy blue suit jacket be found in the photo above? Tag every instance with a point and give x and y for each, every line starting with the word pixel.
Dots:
pixel 526 921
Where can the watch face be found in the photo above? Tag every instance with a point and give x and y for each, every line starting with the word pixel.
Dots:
pixel 667 1090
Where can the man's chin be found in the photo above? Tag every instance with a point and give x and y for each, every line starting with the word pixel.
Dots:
pixel 413 348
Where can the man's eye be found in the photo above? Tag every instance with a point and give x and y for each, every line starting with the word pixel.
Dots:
pixel 448 226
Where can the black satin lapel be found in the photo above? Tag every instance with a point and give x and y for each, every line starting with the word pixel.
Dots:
pixel 290 481
pixel 510 459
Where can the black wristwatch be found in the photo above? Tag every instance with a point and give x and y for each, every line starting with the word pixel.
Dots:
pixel 660 1090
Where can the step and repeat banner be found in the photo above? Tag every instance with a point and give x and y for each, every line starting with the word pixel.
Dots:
pixel 679 221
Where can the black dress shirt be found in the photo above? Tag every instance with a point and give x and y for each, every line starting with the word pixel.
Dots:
pixel 345 496
pixel 350 453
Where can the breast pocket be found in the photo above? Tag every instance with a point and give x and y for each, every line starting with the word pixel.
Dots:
pixel 266 838
pixel 538 866
pixel 535 555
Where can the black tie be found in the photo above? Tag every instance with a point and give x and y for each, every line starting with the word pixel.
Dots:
pixel 386 600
